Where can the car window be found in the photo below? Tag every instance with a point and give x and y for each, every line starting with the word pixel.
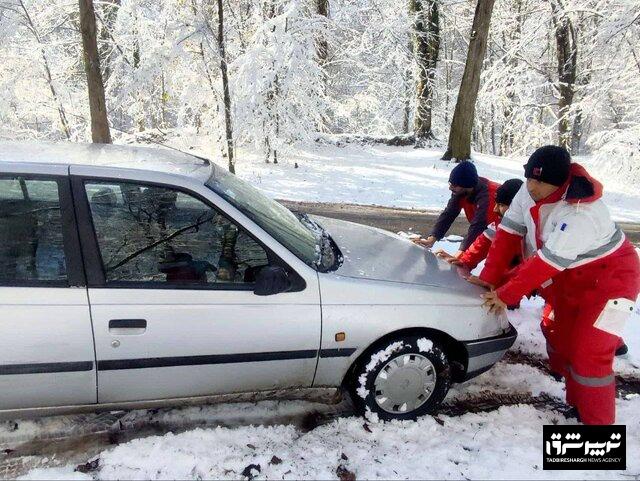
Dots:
pixel 31 232
pixel 155 234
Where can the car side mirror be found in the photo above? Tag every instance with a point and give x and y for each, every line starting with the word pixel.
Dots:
pixel 271 280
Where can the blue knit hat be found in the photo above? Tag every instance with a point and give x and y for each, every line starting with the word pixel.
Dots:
pixel 464 175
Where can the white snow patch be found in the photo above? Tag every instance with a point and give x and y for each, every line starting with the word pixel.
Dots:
pixel 377 358
pixel 383 355
pixel 503 443
pixel 62 473
pixel 425 345
pixel 453 238
pixel 371 416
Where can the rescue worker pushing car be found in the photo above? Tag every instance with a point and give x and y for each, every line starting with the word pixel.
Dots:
pixel 478 251
pixel 469 193
pixel 584 259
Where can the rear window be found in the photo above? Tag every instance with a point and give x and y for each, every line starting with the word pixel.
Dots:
pixel 31 233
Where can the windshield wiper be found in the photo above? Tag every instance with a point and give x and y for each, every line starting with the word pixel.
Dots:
pixel 330 247
pixel 330 255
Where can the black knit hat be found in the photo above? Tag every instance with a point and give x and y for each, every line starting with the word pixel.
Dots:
pixel 464 175
pixel 507 191
pixel 549 164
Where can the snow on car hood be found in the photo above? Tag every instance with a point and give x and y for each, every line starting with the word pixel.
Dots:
pixel 371 253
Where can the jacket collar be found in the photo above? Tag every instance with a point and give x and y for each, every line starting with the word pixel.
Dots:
pixel 481 185
pixel 579 187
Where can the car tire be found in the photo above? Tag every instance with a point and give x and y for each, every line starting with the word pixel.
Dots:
pixel 404 379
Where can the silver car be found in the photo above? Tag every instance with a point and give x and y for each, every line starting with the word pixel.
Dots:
pixel 133 276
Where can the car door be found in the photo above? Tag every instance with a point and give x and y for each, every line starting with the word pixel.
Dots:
pixel 171 293
pixel 46 343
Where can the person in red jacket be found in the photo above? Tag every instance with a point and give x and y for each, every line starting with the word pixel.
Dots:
pixel 591 270
pixel 469 193
pixel 478 251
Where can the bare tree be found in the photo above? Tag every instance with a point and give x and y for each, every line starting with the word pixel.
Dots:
pixel 408 93
pixel 459 147
pixel 23 12
pixel 106 43
pixel 426 46
pixel 567 55
pixel 97 105
pixel 271 99
pixel 225 89
pixel 514 37
pixel 322 48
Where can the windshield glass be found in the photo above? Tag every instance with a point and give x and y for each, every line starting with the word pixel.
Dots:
pixel 302 238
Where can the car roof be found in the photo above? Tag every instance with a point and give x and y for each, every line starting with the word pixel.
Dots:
pixel 107 155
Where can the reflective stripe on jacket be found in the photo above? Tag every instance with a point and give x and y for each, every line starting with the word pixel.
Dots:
pixel 570 228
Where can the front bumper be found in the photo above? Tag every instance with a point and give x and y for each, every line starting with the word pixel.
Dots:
pixel 484 353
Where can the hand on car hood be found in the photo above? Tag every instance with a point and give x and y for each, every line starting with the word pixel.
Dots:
pixel 371 253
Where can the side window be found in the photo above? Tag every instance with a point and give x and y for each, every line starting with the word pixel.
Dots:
pixel 31 235
pixel 161 235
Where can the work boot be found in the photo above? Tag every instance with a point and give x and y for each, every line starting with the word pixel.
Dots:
pixel 622 350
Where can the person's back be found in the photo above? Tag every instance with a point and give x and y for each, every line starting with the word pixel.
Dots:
pixel 471 193
pixel 478 250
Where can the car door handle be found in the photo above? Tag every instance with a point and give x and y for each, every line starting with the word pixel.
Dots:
pixel 127 326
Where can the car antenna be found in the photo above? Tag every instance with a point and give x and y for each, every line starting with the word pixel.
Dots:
pixel 204 159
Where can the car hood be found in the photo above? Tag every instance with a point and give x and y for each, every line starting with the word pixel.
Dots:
pixel 371 253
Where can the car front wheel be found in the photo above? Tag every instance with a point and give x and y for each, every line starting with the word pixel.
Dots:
pixel 405 379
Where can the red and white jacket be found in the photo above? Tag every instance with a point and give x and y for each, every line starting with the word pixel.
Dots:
pixel 570 228
pixel 479 250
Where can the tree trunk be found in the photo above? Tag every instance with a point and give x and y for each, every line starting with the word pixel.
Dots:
pixel 322 47
pixel 576 133
pixel 566 43
pixel 448 55
pixel 459 147
pixel 107 22
pixel 506 134
pixel 225 88
pixel 97 105
pixel 47 72
pixel 426 46
pixel 272 97
pixel 408 93
pixel 494 148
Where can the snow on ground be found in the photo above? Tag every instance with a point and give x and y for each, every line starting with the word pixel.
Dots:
pixel 502 444
pixel 388 176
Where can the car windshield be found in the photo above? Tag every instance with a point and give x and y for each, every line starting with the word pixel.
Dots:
pixel 303 237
